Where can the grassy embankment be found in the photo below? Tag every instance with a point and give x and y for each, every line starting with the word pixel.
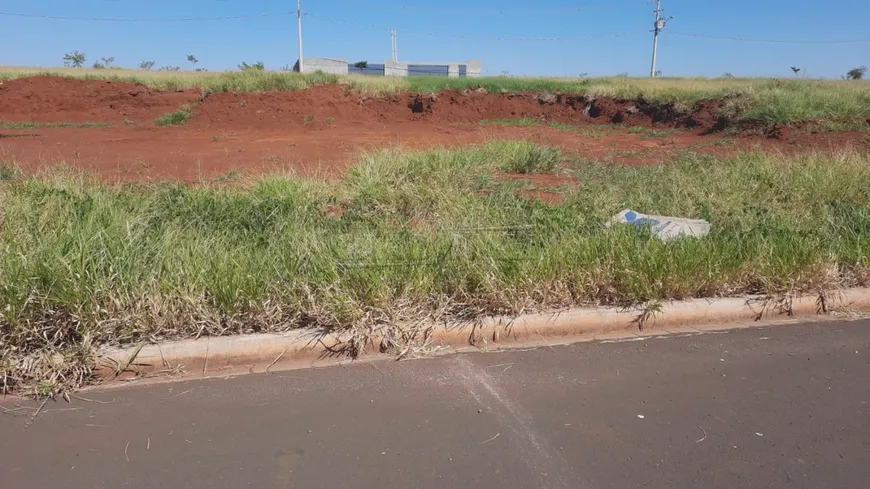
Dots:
pixel 401 237
pixel 843 104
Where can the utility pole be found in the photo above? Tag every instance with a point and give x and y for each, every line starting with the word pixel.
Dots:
pixel 660 24
pixel 394 46
pixel 299 23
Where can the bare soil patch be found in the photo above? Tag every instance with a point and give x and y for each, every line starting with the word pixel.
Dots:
pixel 59 99
pixel 321 130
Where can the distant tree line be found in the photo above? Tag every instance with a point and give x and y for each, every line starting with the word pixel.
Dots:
pixel 77 59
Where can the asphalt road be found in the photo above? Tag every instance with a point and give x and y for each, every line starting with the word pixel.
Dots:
pixel 776 407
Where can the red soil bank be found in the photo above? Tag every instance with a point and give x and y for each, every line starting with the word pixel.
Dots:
pixel 323 129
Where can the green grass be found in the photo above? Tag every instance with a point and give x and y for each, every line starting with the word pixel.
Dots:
pixel 789 101
pixel 498 84
pixel 244 81
pixel 176 118
pixel 524 157
pixel 85 264
pixel 525 121
pixel 595 131
pixel 651 133
pixel 39 125
pixel 562 126
pixel 660 133
pixel 770 100
pixel 8 172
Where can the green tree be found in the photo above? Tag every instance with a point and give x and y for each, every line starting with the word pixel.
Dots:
pixel 192 60
pixel 74 59
pixel 856 73
pixel 146 65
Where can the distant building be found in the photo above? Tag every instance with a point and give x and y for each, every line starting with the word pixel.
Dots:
pixel 337 66
pixel 470 68
pixel 324 65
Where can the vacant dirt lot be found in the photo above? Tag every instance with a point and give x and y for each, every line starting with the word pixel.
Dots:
pixel 109 128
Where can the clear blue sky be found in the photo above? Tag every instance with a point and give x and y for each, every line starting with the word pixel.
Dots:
pixel 221 44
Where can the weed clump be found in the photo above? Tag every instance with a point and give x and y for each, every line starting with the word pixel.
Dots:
pixel 176 118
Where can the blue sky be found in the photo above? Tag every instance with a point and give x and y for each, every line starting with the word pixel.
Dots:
pixel 598 37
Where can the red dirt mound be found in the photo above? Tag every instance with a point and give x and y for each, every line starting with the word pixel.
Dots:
pixel 320 131
pixel 337 104
pixel 707 115
pixel 59 99
pixel 311 107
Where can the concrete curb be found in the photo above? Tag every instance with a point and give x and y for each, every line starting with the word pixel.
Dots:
pixel 311 348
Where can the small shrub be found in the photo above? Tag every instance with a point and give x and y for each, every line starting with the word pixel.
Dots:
pixel 176 118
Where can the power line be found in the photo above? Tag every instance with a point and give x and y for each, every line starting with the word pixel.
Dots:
pixel 601 5
pixel 114 19
pixel 495 10
pixel 334 20
pixel 314 16
pixel 777 41
pixel 452 36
